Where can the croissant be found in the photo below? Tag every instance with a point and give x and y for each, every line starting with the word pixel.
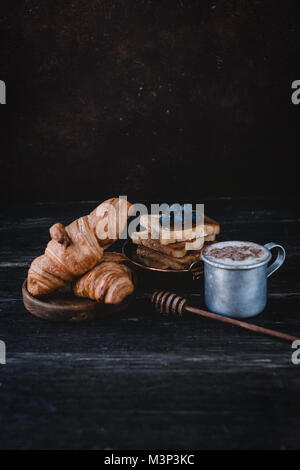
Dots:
pixel 77 248
pixel 109 282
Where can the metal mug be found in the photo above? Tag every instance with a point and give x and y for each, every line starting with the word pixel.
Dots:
pixel 239 291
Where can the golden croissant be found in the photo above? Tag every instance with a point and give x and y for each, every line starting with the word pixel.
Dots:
pixel 77 248
pixel 109 282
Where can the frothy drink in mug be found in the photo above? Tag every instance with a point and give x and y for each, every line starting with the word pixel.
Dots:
pixel 235 276
pixel 237 253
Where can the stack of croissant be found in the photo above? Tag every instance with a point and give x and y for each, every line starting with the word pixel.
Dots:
pixel 75 256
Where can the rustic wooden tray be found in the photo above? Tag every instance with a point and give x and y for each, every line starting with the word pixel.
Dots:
pixel 65 307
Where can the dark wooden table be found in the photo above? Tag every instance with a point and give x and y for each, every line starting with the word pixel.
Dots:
pixel 143 381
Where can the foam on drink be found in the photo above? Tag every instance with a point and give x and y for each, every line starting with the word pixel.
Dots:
pixel 236 253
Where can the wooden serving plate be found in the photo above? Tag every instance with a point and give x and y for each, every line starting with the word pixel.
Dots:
pixel 65 307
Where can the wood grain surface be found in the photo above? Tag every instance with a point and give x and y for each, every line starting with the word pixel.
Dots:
pixel 144 381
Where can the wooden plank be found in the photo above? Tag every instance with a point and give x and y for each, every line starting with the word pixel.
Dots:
pixel 144 381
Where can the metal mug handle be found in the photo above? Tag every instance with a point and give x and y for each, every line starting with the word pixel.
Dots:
pixel 196 269
pixel 279 258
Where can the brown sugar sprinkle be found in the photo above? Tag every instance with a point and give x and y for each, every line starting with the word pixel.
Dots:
pixel 235 253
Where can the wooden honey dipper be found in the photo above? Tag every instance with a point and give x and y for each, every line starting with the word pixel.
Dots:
pixel 170 303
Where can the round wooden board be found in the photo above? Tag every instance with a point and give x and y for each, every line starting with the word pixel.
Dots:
pixel 65 307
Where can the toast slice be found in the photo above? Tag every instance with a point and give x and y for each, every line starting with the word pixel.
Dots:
pixel 177 250
pixel 211 227
pixel 155 259
pixel 210 238
pixel 166 235
pixel 170 250
pixel 151 223
pixel 151 263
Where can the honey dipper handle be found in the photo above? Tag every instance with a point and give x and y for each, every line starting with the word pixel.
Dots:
pixel 242 324
pixel 167 302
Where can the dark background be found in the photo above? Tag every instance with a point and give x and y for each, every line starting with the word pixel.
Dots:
pixel 182 98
